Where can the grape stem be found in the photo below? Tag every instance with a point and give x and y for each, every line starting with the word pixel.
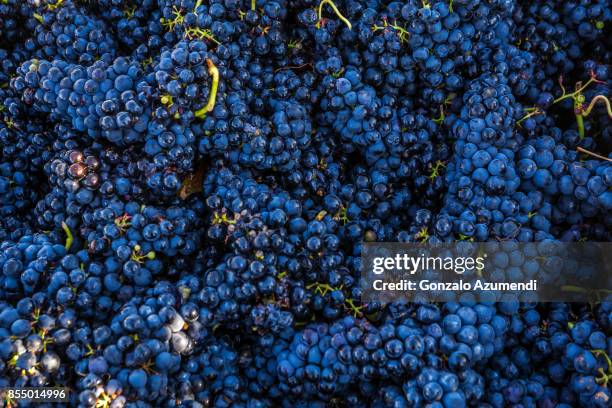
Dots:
pixel 52 7
pixel 531 112
pixel 139 257
pixel 435 172
pixel 590 153
pixel 222 219
pixel 578 99
pixel 604 377
pixel 596 99
pixel 350 305
pixel 333 6
pixel 307 64
pixel 580 124
pixel 200 34
pixel 440 119
pixel 582 113
pixel 103 401
pixel 577 92
pixel 401 32
pixel 322 288
pixel 423 235
pixel 69 237
pixel 212 97
pixel 178 19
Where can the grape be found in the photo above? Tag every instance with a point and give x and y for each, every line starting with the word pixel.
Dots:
pixel 186 188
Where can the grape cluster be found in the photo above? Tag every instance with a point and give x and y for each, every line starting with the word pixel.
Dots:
pixel 186 188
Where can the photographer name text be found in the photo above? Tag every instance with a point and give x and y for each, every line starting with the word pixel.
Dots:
pixel 460 285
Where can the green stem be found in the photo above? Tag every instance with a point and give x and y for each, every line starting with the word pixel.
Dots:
pixel 599 352
pixel 167 100
pixel 532 112
pixel 69 237
pixel 212 97
pixel 596 99
pixel 52 7
pixel 253 5
pixel 200 34
pixel 580 121
pixel 333 6
pixel 139 257
pixel 575 93
pixel 572 288
pixel 440 119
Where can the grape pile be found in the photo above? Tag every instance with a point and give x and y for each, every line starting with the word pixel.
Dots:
pixel 186 186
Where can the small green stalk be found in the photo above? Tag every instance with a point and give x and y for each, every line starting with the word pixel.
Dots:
pixel 338 73
pixel 322 288
pixel 69 237
pixel 53 7
pixel 222 219
pixel 212 97
pixel 179 19
pixel 440 119
pixel 342 215
pixel 580 122
pixel 123 222
pixel 103 401
pixel 576 93
pixel 402 34
pixel 167 100
pixel 423 235
pixel 128 12
pixel 200 34
pixel 354 309
pixel 596 99
pixel 139 257
pixel 581 113
pixel 530 112
pixel 253 5
pixel 604 377
pixel 333 6
pixel 435 171
pixel 579 99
